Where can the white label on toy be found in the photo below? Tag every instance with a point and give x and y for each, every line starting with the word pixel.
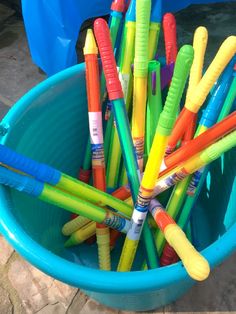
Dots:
pixel 163 166
pixel 136 225
pixel 124 79
pixel 170 181
pixel 95 127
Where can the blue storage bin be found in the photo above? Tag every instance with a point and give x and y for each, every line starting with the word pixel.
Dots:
pixel 49 124
pixel 52 26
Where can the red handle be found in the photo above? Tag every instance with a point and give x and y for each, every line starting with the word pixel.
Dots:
pixel 169 256
pixel 102 34
pixel 118 5
pixel 169 28
pixel 189 132
pixel 84 175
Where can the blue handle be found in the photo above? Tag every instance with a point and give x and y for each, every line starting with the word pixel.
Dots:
pixel 156 13
pixel 116 14
pixel 131 12
pixel 20 182
pixel 40 171
pixel 212 111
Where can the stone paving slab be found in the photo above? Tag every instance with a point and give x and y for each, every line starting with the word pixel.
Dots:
pixel 56 308
pixel 78 303
pixel 37 290
pixel 6 307
pixel 94 307
pixel 5 251
pixel 216 294
pixel 39 293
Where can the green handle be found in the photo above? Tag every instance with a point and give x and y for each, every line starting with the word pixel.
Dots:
pixel 143 10
pixel 154 104
pixel 229 100
pixel 181 71
pixel 216 150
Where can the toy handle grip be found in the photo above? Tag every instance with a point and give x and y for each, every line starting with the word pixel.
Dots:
pixel 196 265
pixel 40 171
pixel 102 34
pixel 118 6
pixel 199 45
pixel 222 58
pixel 103 243
pixel 20 182
pixel 127 255
pixel 169 256
pixel 169 28
pixel 216 150
pixel 143 10
pixel 181 71
pixel 84 175
pixel 74 225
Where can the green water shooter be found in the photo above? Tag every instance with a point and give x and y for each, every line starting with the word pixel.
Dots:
pixel 164 128
pixel 115 23
pixel 191 199
pixel 209 117
pixel 124 66
pixel 59 198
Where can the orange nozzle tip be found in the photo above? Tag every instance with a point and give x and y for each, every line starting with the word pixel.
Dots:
pixel 118 5
pixel 90 46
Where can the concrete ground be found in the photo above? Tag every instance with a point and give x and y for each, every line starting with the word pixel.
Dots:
pixel 24 289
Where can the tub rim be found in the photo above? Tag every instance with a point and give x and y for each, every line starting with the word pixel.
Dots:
pixel 88 278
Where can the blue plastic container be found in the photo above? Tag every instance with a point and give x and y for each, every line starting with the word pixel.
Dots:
pixel 53 26
pixel 49 124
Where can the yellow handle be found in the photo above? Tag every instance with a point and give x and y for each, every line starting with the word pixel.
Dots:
pixel 103 242
pixel 74 225
pixel 139 106
pixel 81 235
pixel 129 201
pixel 154 31
pixel 222 58
pixel 127 255
pixel 128 57
pixel 138 117
pixel 199 45
pixel 195 264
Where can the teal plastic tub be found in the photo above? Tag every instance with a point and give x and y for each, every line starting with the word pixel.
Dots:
pixel 50 124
